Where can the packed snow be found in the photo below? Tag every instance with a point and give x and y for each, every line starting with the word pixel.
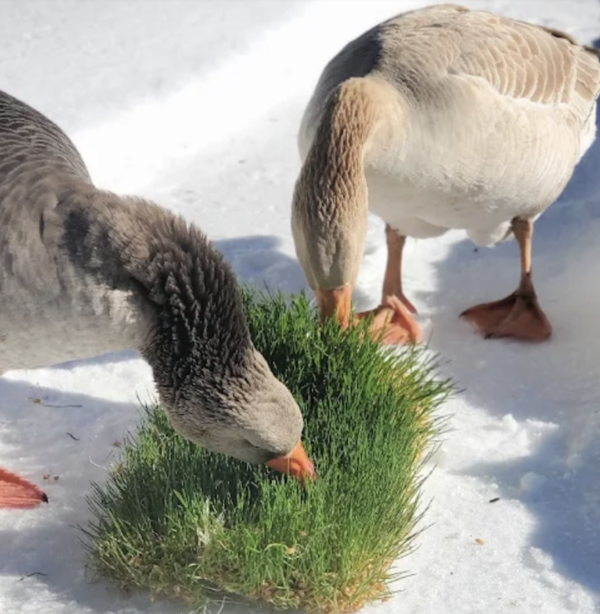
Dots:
pixel 196 105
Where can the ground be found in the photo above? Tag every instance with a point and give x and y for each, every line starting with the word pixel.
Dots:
pixel 196 105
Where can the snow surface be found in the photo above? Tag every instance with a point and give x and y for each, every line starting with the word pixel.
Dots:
pixel 196 105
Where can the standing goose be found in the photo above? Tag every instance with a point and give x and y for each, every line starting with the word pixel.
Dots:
pixel 441 118
pixel 84 272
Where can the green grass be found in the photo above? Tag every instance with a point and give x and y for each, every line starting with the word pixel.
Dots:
pixel 186 523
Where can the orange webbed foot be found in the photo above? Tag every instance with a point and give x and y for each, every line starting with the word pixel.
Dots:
pixel 516 316
pixel 407 304
pixel 392 318
pixel 18 493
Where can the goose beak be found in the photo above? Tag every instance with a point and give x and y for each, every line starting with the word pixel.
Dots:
pixel 296 463
pixel 336 302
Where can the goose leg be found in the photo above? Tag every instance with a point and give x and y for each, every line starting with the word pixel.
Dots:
pixel 392 282
pixel 393 317
pixel 519 315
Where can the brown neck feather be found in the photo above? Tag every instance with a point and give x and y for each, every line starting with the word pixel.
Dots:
pixel 330 207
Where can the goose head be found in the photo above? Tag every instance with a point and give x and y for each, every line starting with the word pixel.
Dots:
pixel 246 413
pixel 217 389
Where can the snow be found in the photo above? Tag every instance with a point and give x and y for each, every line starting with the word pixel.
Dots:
pixel 196 105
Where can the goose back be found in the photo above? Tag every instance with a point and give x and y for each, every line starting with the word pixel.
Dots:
pixel 495 114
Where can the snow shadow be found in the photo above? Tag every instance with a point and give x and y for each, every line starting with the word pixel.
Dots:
pixel 556 383
pixel 258 261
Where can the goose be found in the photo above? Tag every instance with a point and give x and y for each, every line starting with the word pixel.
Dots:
pixel 439 118
pixel 85 272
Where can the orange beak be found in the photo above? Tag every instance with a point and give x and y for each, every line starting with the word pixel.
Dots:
pixel 335 302
pixel 296 464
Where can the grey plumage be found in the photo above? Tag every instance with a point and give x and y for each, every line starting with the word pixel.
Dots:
pixel 84 272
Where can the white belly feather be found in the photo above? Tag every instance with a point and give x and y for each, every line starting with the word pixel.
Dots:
pixel 456 169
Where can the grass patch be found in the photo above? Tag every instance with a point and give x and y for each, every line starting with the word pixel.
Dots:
pixel 187 523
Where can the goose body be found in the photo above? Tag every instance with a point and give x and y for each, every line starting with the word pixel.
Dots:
pixel 452 119
pixel 84 272
pixel 49 311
